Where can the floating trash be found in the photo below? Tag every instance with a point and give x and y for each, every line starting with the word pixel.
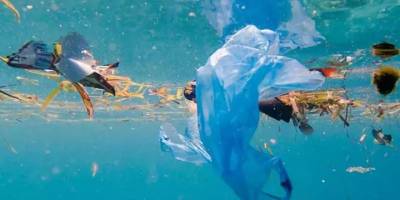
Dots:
pixel 362 138
pixel 245 69
pixel 339 60
pixel 384 50
pixel 360 170
pixel 187 147
pixel 381 138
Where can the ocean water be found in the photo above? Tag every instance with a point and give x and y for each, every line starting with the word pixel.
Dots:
pixel 163 42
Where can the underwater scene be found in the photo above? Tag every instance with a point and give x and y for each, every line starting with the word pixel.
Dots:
pixel 199 99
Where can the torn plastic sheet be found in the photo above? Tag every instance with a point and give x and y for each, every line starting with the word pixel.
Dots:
pixel 287 17
pixel 299 31
pixel 76 61
pixel 187 147
pixel 33 55
pixel 228 89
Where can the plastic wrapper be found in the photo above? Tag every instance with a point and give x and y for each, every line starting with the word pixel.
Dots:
pixel 228 89
pixel 187 147
pixel 287 17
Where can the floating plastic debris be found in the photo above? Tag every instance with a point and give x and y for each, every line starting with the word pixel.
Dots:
pixel 75 63
pixel 362 138
pixel 228 89
pixel 360 170
pixel 187 147
pixel 381 138
pixel 299 31
pixel 339 60
pixel 192 14
pixel 287 17
pixel 32 55
pixel 94 168
pixel 272 141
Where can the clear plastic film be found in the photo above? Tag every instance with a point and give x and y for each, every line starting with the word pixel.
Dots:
pixel 287 17
pixel 187 147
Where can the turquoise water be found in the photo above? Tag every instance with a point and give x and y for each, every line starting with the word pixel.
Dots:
pixel 163 42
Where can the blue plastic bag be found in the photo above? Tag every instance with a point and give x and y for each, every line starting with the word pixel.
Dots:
pixel 228 89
